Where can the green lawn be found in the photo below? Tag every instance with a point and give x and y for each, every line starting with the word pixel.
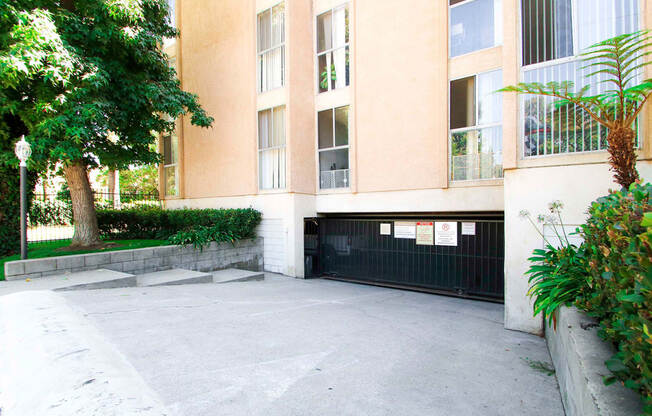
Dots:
pixel 49 249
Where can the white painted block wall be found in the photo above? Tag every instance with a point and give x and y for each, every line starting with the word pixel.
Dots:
pixel 274 235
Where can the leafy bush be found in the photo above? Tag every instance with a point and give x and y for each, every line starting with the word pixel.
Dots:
pixel 609 277
pixel 181 226
pixel 201 236
pixel 618 240
pixel 50 212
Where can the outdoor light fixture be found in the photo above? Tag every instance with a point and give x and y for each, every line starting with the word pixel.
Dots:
pixel 23 152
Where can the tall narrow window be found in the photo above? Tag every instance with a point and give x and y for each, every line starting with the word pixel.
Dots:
pixel 171 164
pixel 556 29
pixel 333 138
pixel 271 48
pixel 333 49
pixel 475 25
pixel 476 140
pixel 271 148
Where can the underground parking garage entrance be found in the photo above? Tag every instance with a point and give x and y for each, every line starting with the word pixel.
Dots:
pixel 458 255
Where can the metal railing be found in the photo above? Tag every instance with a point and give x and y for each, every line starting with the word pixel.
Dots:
pixel 331 179
pixel 476 166
pixel 50 217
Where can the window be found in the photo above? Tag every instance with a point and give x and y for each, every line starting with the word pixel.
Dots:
pixel 333 138
pixel 554 33
pixel 476 139
pixel 333 49
pixel 171 164
pixel 271 48
pixel 271 148
pixel 475 25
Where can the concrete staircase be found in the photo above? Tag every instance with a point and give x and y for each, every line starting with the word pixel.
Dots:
pixel 108 279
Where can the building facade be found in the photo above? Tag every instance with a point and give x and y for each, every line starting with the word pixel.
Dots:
pixel 384 114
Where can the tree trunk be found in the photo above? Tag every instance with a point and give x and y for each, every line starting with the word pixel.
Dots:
pixel 87 232
pixel 622 155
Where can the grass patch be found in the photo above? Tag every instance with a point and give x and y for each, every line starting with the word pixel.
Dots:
pixel 53 249
pixel 540 366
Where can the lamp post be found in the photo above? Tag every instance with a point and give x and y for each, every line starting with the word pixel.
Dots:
pixel 23 152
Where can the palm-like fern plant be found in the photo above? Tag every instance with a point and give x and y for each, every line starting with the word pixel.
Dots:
pixel 620 60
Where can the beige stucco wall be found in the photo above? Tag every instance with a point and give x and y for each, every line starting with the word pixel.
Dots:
pixel 218 62
pixel 301 98
pixel 400 95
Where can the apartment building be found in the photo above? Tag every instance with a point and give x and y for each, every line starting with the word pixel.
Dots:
pixel 370 135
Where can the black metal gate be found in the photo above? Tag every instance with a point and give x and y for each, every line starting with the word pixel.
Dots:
pixel 354 249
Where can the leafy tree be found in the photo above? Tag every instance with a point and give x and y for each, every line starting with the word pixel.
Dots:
pixel 620 60
pixel 89 83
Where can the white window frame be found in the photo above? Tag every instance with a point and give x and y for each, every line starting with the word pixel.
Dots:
pixel 174 165
pixel 470 128
pixel 260 55
pixel 334 147
pixel 553 62
pixel 332 49
pixel 265 149
pixel 498 25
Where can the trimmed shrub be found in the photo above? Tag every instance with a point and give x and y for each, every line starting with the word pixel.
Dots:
pixel 49 212
pixel 619 283
pixel 187 226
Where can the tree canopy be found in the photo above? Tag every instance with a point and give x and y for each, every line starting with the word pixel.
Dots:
pixel 88 83
pixel 88 80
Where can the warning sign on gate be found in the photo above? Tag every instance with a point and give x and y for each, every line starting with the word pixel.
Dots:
pixel 425 234
pixel 446 233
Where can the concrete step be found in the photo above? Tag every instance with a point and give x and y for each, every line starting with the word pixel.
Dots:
pixel 174 277
pixel 94 279
pixel 236 275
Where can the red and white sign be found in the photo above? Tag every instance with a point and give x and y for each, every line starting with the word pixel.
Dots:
pixel 446 233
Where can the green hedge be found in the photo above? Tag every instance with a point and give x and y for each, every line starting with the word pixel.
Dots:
pixel 619 283
pixel 157 223
pixel 10 207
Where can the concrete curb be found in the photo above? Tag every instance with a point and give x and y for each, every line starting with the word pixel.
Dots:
pixel 579 356
pixel 54 362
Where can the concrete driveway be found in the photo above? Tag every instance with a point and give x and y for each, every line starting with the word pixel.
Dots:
pixel 317 347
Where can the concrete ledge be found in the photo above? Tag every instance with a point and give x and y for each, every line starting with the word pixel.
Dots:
pixel 55 362
pixel 245 254
pixel 579 356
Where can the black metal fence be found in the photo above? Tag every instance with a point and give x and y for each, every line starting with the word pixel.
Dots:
pixel 50 217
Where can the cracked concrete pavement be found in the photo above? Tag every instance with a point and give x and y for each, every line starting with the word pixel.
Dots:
pixel 301 347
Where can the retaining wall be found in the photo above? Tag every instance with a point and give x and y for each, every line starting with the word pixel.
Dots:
pixel 579 356
pixel 244 254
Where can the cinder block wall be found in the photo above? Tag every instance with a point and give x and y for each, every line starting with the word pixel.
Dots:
pixel 245 254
